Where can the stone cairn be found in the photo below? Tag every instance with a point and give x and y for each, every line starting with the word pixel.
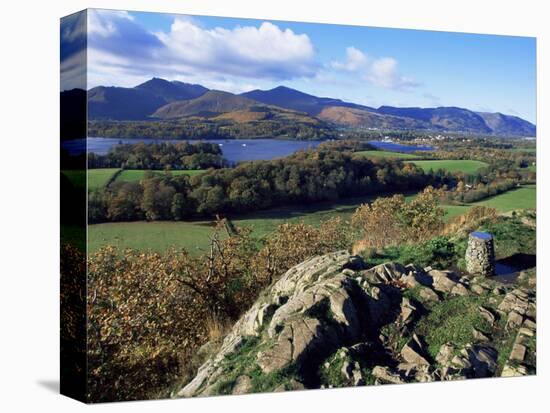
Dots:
pixel 480 254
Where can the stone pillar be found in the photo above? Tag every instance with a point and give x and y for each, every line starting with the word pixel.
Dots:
pixel 480 254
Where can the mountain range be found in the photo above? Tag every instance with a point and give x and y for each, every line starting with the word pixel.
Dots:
pixel 168 100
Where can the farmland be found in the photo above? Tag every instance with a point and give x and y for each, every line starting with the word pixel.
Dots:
pixel 97 178
pixel 194 235
pixel 452 165
pixel 521 198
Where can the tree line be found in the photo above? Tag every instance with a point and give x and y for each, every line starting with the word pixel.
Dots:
pixel 306 177
pixel 164 155
pixel 199 128
pixel 468 194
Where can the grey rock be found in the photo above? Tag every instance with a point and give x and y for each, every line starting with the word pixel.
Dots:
pixel 479 335
pixel 514 371
pixel 413 351
pixel 385 375
pixel 460 362
pixel 460 290
pixel 385 273
pixel 487 314
pixel 443 281
pixel 356 375
pixel 347 370
pixel 518 352
pixel 478 289
pixel 428 294
pixel 445 354
pixel 498 291
pixel 515 320
pixel 292 384
pixel 407 311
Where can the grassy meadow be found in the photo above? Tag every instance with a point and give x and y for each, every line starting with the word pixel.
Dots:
pixel 194 235
pixel 97 178
pixel 521 198
pixel 452 165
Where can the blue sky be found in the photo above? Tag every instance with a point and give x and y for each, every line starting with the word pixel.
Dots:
pixel 372 66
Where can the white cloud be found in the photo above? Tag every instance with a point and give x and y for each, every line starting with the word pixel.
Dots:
pixel 265 51
pixel 119 47
pixel 382 72
pixel 355 60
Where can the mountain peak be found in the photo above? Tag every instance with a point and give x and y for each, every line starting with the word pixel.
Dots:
pixel 172 91
pixel 153 80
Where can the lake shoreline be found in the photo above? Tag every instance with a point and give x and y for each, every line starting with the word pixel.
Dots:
pixel 234 150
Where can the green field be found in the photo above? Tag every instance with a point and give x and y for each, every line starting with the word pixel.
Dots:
pixel 194 235
pixel 521 198
pixel 99 177
pixel 135 175
pixel 155 236
pixel 387 154
pixel 452 165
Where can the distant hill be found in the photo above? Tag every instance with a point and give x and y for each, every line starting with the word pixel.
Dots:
pixel 294 99
pixel 172 91
pixel 508 125
pixel 450 119
pixel 224 106
pixel 138 103
pixel 161 99
pixel 464 120
pixel 360 118
pixel 119 103
pixel 211 103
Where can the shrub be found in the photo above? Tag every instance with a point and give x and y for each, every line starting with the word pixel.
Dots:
pixel 291 244
pixel 471 220
pixel 149 313
pixel 393 221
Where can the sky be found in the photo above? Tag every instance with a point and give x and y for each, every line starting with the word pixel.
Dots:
pixel 366 65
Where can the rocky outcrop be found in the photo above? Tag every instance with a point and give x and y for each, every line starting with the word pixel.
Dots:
pixel 329 322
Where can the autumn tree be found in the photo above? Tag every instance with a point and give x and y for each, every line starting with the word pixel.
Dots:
pixel 393 220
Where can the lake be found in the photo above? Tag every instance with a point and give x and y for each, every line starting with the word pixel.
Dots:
pixel 235 150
